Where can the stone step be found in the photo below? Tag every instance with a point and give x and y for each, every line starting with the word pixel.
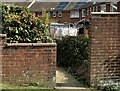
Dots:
pixel 73 89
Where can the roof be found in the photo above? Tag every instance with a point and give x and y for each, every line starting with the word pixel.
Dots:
pixel 61 6
pixel 37 6
pixel 70 5
pixel 56 6
pixel 40 6
pixel 87 5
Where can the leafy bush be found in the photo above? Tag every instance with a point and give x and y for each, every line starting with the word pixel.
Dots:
pixel 22 26
pixel 72 53
pixel 108 88
pixel 72 50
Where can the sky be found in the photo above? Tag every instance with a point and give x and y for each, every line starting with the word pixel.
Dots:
pixel 60 0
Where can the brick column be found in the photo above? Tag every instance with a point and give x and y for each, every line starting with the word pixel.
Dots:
pixel 99 8
pixel 118 5
pixel 108 7
pixel 104 53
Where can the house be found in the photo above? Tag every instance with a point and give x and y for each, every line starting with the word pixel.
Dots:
pixel 76 11
pixel 93 7
pixel 66 12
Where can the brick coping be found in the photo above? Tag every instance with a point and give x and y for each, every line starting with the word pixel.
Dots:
pixel 3 35
pixel 30 44
pixel 105 13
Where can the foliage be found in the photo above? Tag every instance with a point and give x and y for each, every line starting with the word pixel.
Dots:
pixel 22 26
pixel 72 50
pixel 109 88
pixel 72 53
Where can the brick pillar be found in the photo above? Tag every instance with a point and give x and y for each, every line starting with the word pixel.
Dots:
pixel 2 42
pixel 118 5
pixel 104 49
pixel 107 7
pixel 99 8
pixel 2 39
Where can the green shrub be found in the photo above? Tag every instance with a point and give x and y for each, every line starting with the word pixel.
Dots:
pixel 109 88
pixel 72 51
pixel 22 26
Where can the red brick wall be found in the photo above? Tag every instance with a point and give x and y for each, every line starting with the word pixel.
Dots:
pixel 108 7
pixel 26 63
pixel 118 5
pixel 104 53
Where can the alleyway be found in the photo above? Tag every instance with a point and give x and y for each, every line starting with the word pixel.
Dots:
pixel 64 79
pixel 66 82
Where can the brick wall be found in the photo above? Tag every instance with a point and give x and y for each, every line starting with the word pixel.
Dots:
pixel 104 53
pixel 65 17
pixel 118 5
pixel 26 63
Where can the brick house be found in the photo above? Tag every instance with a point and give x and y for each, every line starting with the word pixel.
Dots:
pixel 69 13
pixel 85 13
pixel 76 11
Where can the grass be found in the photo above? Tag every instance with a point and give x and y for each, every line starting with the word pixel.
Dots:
pixel 9 87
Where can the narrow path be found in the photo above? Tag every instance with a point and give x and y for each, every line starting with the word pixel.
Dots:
pixel 64 79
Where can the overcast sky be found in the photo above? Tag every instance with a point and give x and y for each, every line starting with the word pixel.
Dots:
pixel 60 0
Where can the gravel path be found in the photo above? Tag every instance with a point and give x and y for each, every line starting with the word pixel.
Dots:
pixel 64 79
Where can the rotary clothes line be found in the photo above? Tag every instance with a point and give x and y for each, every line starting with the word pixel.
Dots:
pixel 60 30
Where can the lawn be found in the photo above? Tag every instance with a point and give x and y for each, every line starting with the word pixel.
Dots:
pixel 8 87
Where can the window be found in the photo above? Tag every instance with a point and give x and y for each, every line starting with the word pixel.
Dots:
pixel 83 12
pixel 103 8
pixel 60 14
pixel 74 14
pixel 54 14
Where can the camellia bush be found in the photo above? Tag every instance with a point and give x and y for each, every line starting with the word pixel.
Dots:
pixel 21 26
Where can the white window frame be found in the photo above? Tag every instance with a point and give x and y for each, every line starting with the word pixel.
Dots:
pixel 83 12
pixel 49 14
pixel 90 10
pixel 74 14
pixel 60 14
pixel 103 8
pixel 54 14
pixel 96 8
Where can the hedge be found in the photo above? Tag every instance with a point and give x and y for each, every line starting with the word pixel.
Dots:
pixel 72 50
pixel 22 26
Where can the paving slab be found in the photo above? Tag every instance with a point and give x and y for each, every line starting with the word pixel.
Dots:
pixel 74 89
pixel 64 79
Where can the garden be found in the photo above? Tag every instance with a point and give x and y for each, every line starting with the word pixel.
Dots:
pixel 21 26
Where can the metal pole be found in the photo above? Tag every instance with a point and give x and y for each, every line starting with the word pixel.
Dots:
pixel 31 3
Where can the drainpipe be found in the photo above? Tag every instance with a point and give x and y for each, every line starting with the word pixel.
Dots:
pixel 31 3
